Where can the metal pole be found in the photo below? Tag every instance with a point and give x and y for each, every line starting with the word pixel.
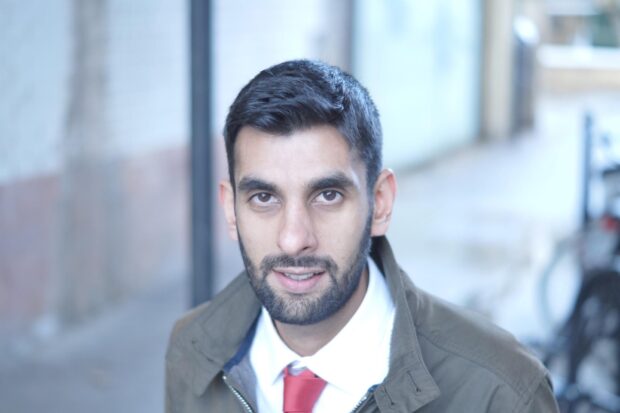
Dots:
pixel 587 168
pixel 201 153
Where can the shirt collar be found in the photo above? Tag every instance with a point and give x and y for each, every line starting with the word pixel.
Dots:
pixel 339 360
pixel 268 354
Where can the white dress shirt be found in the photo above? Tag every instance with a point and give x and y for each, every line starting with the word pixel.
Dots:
pixel 353 361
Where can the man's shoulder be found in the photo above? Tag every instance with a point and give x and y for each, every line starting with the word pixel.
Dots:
pixel 188 320
pixel 222 303
pixel 458 343
pixel 231 307
pixel 206 337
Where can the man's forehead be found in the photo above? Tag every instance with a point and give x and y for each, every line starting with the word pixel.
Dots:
pixel 323 133
pixel 308 153
pixel 321 144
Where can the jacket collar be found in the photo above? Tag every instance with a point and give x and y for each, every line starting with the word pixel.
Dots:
pixel 408 385
pixel 214 338
pixel 221 329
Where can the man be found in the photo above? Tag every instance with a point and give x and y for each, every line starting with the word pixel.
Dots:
pixel 323 319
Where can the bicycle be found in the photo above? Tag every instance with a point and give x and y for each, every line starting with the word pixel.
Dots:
pixel 586 347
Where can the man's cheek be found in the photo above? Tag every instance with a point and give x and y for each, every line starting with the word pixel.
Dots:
pixel 340 231
pixel 255 241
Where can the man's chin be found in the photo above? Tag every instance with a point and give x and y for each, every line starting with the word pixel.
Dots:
pixel 293 308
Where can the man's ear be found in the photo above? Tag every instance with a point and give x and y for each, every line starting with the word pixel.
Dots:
pixel 384 194
pixel 227 200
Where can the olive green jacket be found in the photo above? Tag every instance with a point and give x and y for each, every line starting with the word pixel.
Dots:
pixel 442 358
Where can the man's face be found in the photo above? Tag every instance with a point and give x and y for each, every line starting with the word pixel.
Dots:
pixel 302 215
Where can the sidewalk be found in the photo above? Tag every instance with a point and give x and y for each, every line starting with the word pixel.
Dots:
pixel 478 228
pixel 113 364
pixel 474 228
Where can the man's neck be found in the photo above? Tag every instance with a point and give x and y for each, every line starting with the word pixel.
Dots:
pixel 306 340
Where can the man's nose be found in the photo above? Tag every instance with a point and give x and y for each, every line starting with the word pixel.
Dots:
pixel 296 234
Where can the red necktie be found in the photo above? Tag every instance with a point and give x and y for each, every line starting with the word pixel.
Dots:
pixel 302 391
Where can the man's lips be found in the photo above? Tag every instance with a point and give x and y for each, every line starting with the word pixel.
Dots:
pixel 298 280
pixel 298 274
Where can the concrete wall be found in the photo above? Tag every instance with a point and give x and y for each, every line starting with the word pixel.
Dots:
pixel 566 69
pixel 93 156
pixel 497 70
pixel 421 63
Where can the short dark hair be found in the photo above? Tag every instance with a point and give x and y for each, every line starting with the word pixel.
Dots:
pixel 299 94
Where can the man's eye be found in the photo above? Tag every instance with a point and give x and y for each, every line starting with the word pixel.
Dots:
pixel 329 197
pixel 263 198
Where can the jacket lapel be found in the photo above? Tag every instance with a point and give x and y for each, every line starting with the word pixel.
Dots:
pixel 214 339
pixel 409 385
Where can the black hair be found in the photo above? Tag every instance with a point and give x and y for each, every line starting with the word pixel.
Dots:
pixel 300 94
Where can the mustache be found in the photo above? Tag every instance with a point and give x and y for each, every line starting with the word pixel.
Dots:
pixel 325 263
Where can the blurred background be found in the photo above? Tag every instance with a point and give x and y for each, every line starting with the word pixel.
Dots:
pixel 111 115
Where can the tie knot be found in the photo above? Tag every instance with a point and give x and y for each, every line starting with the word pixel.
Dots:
pixel 301 391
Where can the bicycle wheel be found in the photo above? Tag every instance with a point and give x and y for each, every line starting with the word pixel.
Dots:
pixel 590 350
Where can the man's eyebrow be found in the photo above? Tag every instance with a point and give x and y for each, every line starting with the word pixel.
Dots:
pixel 250 183
pixel 337 180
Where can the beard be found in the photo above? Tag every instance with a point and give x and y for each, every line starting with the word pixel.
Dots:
pixel 301 309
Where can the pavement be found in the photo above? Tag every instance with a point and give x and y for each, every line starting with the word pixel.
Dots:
pixel 112 364
pixel 476 227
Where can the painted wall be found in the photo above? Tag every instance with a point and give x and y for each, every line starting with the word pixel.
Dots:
pixel 421 63
pixel 93 157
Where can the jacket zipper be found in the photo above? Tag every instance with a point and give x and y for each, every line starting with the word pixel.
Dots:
pixel 360 403
pixel 244 403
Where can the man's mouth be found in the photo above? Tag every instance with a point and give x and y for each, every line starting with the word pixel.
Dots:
pixel 300 277
pixel 299 274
